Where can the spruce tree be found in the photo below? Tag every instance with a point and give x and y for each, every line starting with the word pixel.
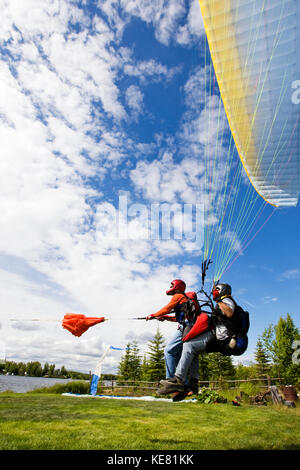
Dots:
pixel 262 359
pixel 156 368
pixel 130 364
pixel 204 367
pixel 145 370
pixel 135 362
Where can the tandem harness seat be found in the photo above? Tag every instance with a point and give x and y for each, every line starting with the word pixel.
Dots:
pixel 238 326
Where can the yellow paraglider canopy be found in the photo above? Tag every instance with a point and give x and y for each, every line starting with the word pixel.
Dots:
pixel 254 47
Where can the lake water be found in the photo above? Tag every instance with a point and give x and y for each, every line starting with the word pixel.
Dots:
pixel 21 384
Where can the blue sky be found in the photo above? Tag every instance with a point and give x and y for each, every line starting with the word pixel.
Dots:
pixel 102 100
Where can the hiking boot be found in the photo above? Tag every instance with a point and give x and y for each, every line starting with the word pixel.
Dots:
pixel 170 386
pixel 179 396
pixel 173 380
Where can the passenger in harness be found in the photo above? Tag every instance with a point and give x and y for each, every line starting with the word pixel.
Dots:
pixel 186 309
pixel 230 324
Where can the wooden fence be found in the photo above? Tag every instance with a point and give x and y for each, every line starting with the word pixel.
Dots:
pixel 217 384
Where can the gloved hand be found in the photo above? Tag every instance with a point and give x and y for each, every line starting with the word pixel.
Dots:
pixel 150 317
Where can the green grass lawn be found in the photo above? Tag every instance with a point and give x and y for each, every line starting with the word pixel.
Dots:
pixel 55 422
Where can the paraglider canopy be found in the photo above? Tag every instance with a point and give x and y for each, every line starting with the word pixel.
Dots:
pixel 78 324
pixel 254 46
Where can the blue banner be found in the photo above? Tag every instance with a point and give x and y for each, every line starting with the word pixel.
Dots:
pixel 94 384
pixel 97 374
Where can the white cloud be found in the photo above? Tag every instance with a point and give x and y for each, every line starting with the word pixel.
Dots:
pixel 86 60
pixel 193 27
pixel 27 19
pixel 232 240
pixel 165 180
pixel 268 299
pixel 194 89
pixel 163 14
pixel 149 70
pixel 290 274
pixel 53 140
pixel 171 20
pixel 134 98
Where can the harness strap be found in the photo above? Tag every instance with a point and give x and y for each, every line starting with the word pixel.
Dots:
pixel 185 313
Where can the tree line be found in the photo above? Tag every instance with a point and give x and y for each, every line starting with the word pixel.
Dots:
pixel 274 355
pixel 35 369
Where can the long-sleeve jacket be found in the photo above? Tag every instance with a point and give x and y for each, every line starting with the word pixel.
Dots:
pixel 202 321
pixel 176 299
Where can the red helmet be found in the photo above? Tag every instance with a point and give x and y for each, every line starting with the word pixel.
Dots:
pixel 176 286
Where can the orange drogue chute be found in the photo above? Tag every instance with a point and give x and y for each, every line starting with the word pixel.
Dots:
pixel 78 324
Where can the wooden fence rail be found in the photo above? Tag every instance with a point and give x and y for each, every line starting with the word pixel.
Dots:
pixel 263 382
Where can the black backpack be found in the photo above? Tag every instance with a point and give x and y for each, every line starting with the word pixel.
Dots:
pixel 242 321
pixel 238 327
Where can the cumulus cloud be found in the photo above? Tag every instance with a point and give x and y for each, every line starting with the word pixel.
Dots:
pixel 150 70
pixel 193 27
pixel 164 15
pixel 134 98
pixel 172 20
pixel 50 129
pixel 156 180
pixel 69 87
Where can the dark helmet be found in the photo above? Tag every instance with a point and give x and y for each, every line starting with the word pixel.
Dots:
pixel 221 290
pixel 176 286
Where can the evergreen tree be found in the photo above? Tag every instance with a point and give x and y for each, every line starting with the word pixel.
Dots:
pixel 135 362
pixel 124 366
pixel 262 359
pixel 156 368
pixel 204 367
pixel 220 366
pixel 145 370
pixel 130 364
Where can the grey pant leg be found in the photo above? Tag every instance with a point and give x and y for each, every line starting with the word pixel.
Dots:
pixel 190 349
